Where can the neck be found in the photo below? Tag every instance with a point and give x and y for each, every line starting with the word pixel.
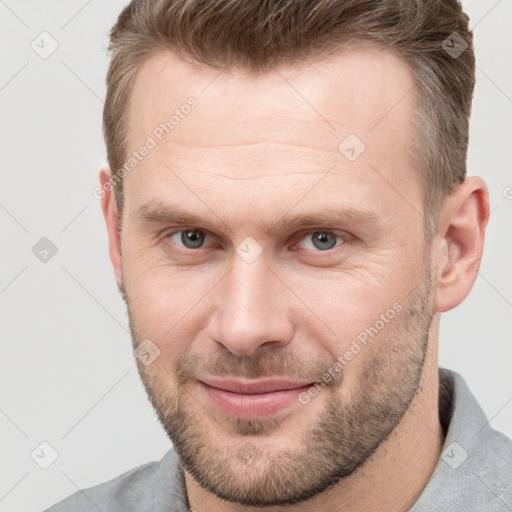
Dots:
pixel 392 479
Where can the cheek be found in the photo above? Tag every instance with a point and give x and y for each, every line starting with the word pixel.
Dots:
pixel 349 295
pixel 156 287
pixel 167 305
pixel 353 308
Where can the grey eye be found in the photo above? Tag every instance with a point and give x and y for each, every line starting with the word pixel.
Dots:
pixel 320 240
pixel 324 240
pixel 191 238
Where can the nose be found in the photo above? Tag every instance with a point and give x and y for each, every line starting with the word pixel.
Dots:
pixel 251 309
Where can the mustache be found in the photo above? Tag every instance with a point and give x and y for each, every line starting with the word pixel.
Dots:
pixel 194 365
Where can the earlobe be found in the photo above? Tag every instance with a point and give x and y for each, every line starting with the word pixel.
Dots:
pixel 110 214
pixel 457 253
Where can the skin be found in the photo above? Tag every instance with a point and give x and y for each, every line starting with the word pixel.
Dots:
pixel 257 148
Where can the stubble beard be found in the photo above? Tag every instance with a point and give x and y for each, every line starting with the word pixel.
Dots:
pixel 253 468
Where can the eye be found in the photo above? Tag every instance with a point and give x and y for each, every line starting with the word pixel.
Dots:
pixel 190 238
pixel 322 240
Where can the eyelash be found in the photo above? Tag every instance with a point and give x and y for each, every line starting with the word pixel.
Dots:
pixel 343 237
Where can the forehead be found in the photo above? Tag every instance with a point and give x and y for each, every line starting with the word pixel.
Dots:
pixel 353 89
pixel 283 124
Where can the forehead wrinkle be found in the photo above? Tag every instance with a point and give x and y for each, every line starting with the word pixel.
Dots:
pixel 300 145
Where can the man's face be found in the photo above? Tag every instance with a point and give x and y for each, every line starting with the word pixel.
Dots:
pixel 260 256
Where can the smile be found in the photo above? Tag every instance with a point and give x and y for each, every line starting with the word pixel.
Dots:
pixel 247 399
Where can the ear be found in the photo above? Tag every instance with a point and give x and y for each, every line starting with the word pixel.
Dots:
pixel 108 205
pixel 458 248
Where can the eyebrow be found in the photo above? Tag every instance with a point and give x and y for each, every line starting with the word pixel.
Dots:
pixel 159 213
pixel 327 217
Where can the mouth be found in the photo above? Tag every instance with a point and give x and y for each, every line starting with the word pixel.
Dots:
pixel 250 398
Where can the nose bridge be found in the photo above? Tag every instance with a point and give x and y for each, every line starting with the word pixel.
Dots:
pixel 250 309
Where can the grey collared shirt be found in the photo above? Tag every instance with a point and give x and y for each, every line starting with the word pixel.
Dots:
pixel 474 472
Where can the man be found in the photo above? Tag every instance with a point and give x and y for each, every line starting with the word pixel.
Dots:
pixel 289 214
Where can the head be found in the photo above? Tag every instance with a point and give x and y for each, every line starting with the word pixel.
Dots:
pixel 297 209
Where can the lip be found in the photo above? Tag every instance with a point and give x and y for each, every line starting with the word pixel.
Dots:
pixel 252 399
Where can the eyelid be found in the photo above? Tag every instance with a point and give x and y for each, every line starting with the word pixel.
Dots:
pixel 344 236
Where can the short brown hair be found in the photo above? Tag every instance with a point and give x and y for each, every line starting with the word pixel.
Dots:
pixel 259 34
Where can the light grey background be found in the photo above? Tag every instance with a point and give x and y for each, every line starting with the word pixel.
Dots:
pixel 67 372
